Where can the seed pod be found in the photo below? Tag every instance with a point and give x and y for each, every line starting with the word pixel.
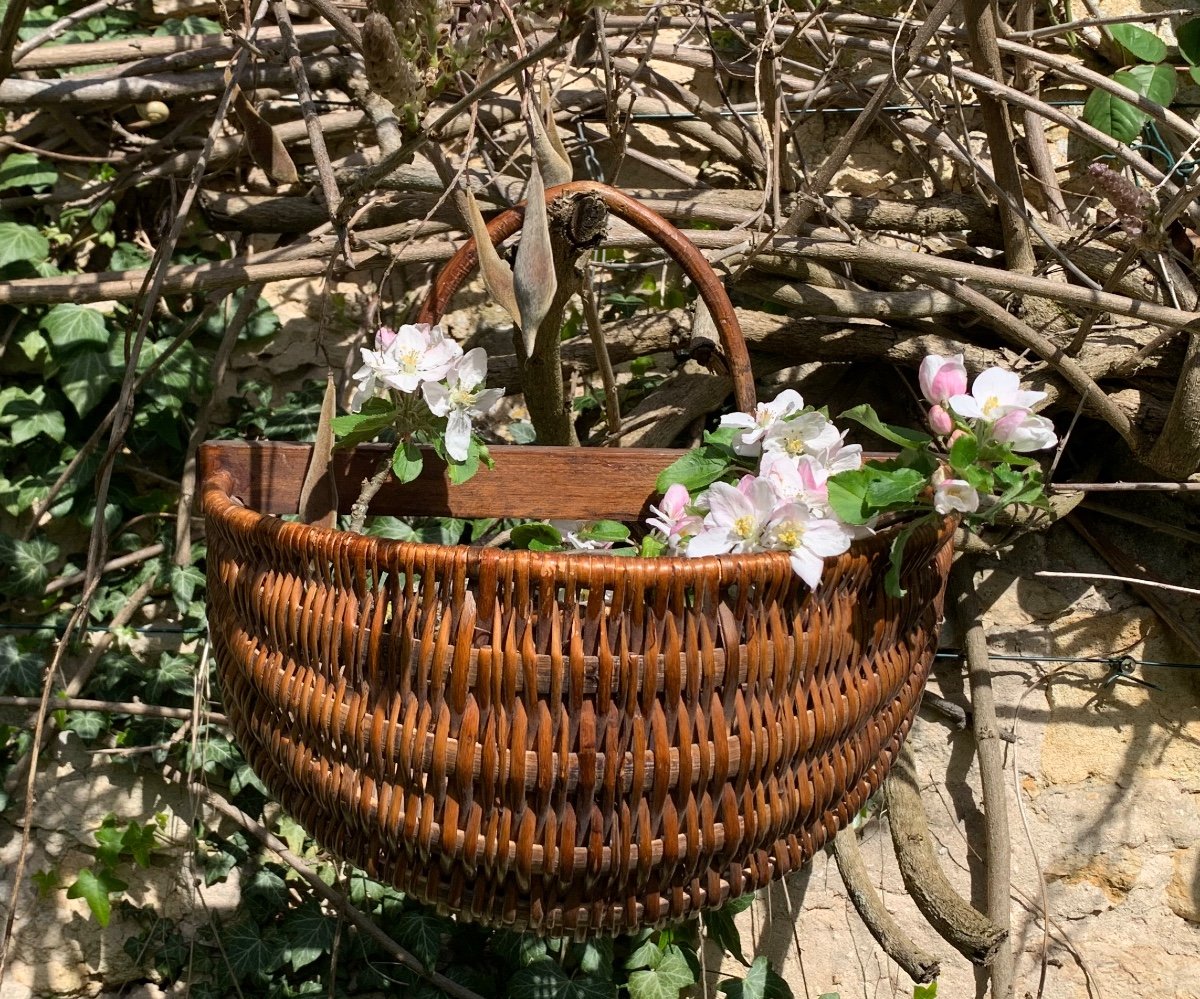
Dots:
pixel 382 58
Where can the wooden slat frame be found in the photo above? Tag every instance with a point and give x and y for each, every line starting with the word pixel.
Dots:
pixel 527 481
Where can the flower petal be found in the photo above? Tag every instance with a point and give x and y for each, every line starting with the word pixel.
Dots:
pixel 458 435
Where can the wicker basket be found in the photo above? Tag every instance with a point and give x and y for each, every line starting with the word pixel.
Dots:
pixel 571 744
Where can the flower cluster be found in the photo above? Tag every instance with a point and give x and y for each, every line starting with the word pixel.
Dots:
pixel 783 478
pixel 433 381
pixel 781 505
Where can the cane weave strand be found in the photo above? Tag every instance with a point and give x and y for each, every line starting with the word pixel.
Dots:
pixel 572 744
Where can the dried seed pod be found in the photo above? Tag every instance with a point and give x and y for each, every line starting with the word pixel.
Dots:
pixel 382 58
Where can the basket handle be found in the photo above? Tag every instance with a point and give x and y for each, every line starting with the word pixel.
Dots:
pixel 682 250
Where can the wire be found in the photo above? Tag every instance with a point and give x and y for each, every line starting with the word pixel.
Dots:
pixel 1109 661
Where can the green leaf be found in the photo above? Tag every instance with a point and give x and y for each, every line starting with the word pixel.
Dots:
pixel 26 565
pixel 72 325
pixel 406 461
pixel 546 980
pixel 604 530
pixel 963 453
pixel 890 489
pixel 663 980
pixel 85 378
pixel 891 582
pixel 523 535
pixel 173 675
pixel 720 927
pixel 20 670
pixel 695 470
pixel 760 983
pixel 307 933
pixel 522 432
pixel 461 471
pixel 1113 116
pixel 25 170
pixel 265 896
pixel 30 414
pixel 184 580
pixel 519 949
pixel 1143 45
pixel 653 546
pixel 139 842
pixel 376 415
pixel 420 932
pixel 925 991
pixel 243 777
pixel 249 953
pixel 867 416
pixel 1156 83
pixel 1188 37
pixel 95 888
pixel 22 242
pixel 88 725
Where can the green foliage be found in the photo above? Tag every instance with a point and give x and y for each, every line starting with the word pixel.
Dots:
pixel 760 983
pixel 21 170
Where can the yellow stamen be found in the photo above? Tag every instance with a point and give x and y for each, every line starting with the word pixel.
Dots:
pixel 743 527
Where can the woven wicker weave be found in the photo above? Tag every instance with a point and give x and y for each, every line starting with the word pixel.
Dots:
pixel 567 743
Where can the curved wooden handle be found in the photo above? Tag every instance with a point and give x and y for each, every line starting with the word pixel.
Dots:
pixel 712 291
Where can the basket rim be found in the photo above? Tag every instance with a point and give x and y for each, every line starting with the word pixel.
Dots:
pixel 219 503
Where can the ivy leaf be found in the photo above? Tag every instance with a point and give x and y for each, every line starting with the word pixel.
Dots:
pixel 20 670
pixel 184 580
pixel 243 777
pixel 1113 116
pixel 519 949
pixel 173 675
pixel 1155 83
pixel 22 242
pixel 25 170
pixel 546 980
pixel 27 565
pixel 695 470
pixel 85 379
pixel 139 842
pixel 420 932
pixel 1143 45
pixel 407 461
pixel 87 725
pixel 308 933
pixel 925 991
pixel 760 983
pixel 720 927
pixel 30 414
pixel 867 416
pixel 265 896
pixel 249 953
pixel 94 888
pixel 663 980
pixel 73 325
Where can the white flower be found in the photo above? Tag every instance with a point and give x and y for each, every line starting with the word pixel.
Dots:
pixel 954 495
pixel 402 358
pixel 996 393
pixel 418 354
pixel 461 399
pixel 736 518
pixel 839 457
pixel 797 480
pixel 1024 431
pixel 751 428
pixel 808 539
pixel 671 516
pixel 569 529
pixel 808 433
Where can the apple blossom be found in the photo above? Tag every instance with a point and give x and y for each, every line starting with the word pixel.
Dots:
pixel 942 377
pixel 808 539
pixel 954 495
pixel 460 399
pixel 418 354
pixel 671 517
pixel 1023 431
pixel 808 433
pixel 994 394
pixel 735 520
pixel 751 428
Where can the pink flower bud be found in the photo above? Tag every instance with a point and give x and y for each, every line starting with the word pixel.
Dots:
pixel 940 422
pixel 1005 428
pixel 942 377
pixel 384 337
pixel 955 436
